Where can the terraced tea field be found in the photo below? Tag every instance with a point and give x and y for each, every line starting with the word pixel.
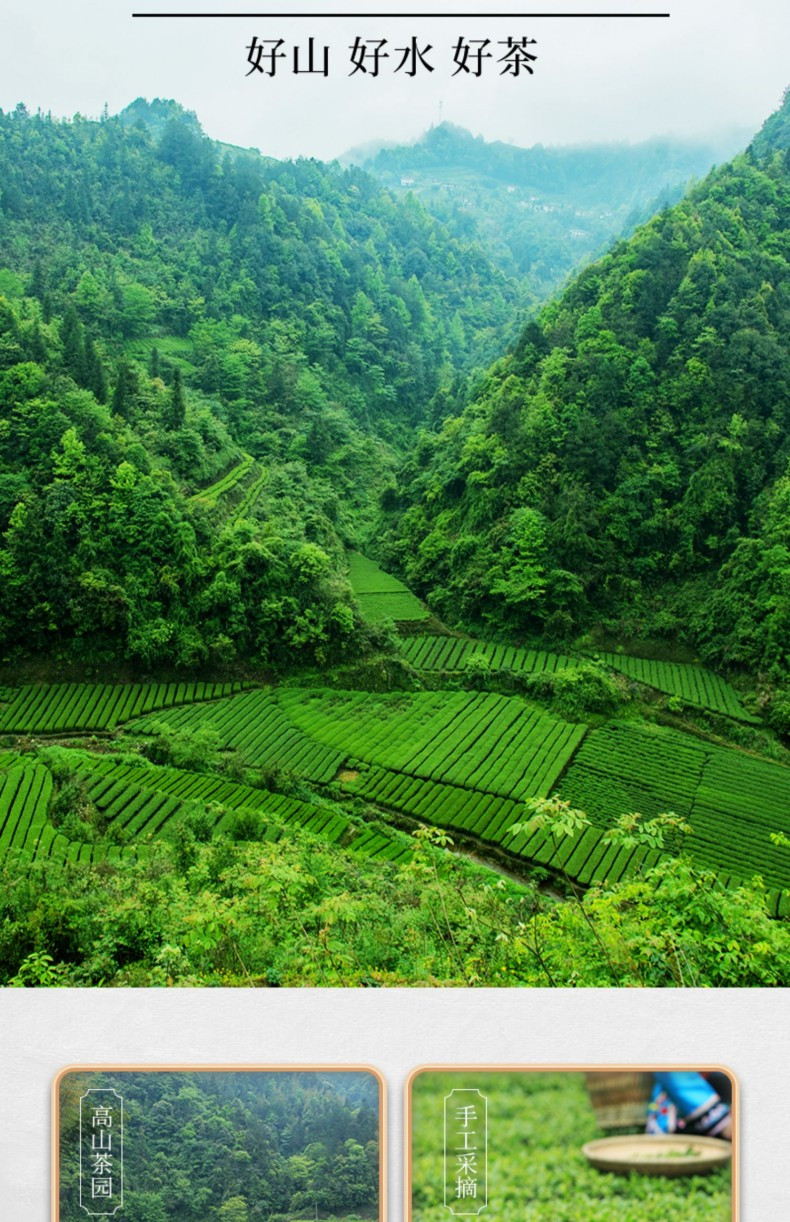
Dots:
pixel 488 743
pixel 25 791
pixel 490 819
pixel 467 761
pixel 141 802
pixel 381 596
pixel 212 494
pixel 483 742
pixel 255 725
pixel 451 654
pixel 251 498
pixel 462 760
pixel 732 800
pixel 624 767
pixel 65 708
pixel 694 685
pixel 142 799
pixel 738 804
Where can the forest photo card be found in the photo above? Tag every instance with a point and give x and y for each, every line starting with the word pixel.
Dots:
pixel 225 1144
pixel 605 1144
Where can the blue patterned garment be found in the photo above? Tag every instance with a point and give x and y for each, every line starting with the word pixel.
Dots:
pixel 686 1103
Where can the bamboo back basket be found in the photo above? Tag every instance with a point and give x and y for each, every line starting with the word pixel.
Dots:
pixel 620 1099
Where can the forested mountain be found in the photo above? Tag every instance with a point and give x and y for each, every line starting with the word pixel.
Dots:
pixel 627 464
pixel 235 749
pixel 235 1146
pixel 542 211
pixel 167 307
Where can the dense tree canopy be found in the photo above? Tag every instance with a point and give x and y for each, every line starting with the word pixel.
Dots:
pixel 627 463
pixel 235 1146
pixel 102 553
pixel 539 211
pixel 165 305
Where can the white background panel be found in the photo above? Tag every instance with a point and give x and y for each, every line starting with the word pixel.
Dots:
pixel 395 1031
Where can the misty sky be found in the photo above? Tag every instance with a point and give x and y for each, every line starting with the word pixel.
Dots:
pixel 714 65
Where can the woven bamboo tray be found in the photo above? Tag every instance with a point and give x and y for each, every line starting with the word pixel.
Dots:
pixel 662 1155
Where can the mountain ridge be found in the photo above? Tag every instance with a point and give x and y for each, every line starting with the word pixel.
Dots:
pixel 626 464
pixel 542 212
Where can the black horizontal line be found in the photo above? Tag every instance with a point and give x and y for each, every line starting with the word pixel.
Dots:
pixel 410 16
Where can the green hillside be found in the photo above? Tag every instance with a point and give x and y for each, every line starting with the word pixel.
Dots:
pixel 541 211
pixel 175 320
pixel 625 468
pixel 228 1144
pixel 332 654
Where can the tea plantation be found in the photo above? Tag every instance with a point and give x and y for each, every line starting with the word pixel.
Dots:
pixel 462 760
pixel 537 1125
